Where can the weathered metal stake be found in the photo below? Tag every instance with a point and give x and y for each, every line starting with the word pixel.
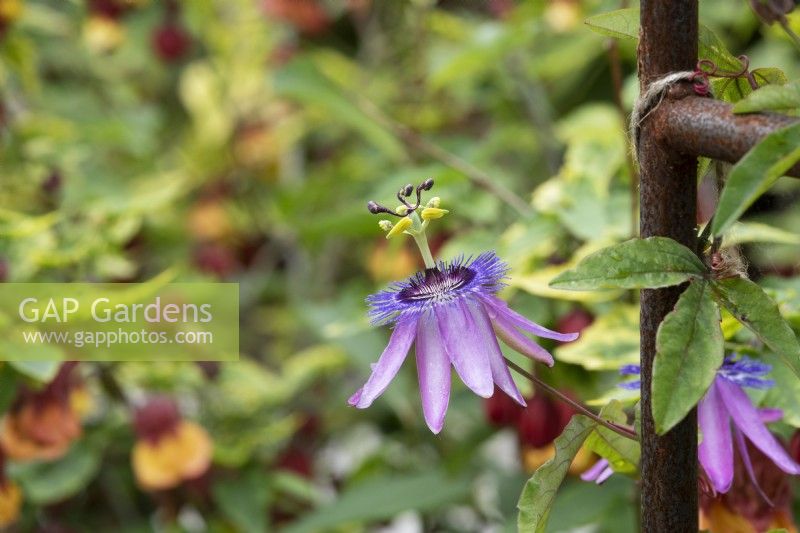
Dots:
pixel 667 193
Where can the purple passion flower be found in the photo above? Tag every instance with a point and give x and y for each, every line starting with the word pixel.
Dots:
pixel 726 402
pixel 598 472
pixel 452 316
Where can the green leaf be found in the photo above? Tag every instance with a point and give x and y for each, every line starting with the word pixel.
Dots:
pixel 734 90
pixel 385 497
pixel 755 173
pixel 771 98
pixel 624 24
pixel 302 81
pixel 244 501
pixel 538 281
pixel 634 264
pixel 785 395
pixel 746 232
pixel 41 371
pixel 752 307
pixel 620 24
pixel 50 482
pixel 622 454
pixel 540 490
pixel 611 341
pixel 689 350
pixel 8 386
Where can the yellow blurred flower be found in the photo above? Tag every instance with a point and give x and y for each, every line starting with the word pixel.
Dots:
pixel 10 503
pixel 176 457
pixel 169 450
pixel 103 34
pixel 10 10
pixel 208 220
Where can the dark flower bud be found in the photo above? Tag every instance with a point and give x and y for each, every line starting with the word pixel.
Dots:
pixel 427 184
pixel 407 190
pixel 374 208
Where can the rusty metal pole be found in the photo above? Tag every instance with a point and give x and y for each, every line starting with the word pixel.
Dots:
pixel 667 193
pixel 708 127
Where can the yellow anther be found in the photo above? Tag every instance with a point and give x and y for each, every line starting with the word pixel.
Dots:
pixel 401 210
pixel 430 213
pixel 434 202
pixel 400 227
pixel 385 225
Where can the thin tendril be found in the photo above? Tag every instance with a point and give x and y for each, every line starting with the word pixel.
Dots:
pixel 625 431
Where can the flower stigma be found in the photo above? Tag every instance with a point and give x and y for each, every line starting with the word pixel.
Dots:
pixel 414 219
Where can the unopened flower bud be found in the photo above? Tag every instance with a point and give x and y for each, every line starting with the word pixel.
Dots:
pixel 408 189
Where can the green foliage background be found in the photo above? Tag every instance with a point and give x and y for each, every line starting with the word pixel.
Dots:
pixel 251 159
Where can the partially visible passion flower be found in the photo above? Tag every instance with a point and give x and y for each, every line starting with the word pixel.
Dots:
pixel 760 498
pixel 169 450
pixel 451 312
pixel 727 417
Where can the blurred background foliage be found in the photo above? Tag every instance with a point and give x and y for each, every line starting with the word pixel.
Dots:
pixel 240 140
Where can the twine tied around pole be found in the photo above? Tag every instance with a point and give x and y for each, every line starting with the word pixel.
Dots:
pixel 655 93
pixel 699 78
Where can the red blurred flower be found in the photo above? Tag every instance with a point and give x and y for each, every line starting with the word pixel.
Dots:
pixel 575 321
pixel 171 41
pixel 501 410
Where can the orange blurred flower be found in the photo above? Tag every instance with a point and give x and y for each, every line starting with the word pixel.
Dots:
pixel 42 424
pixel 308 16
pixel 169 450
pixel 10 496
